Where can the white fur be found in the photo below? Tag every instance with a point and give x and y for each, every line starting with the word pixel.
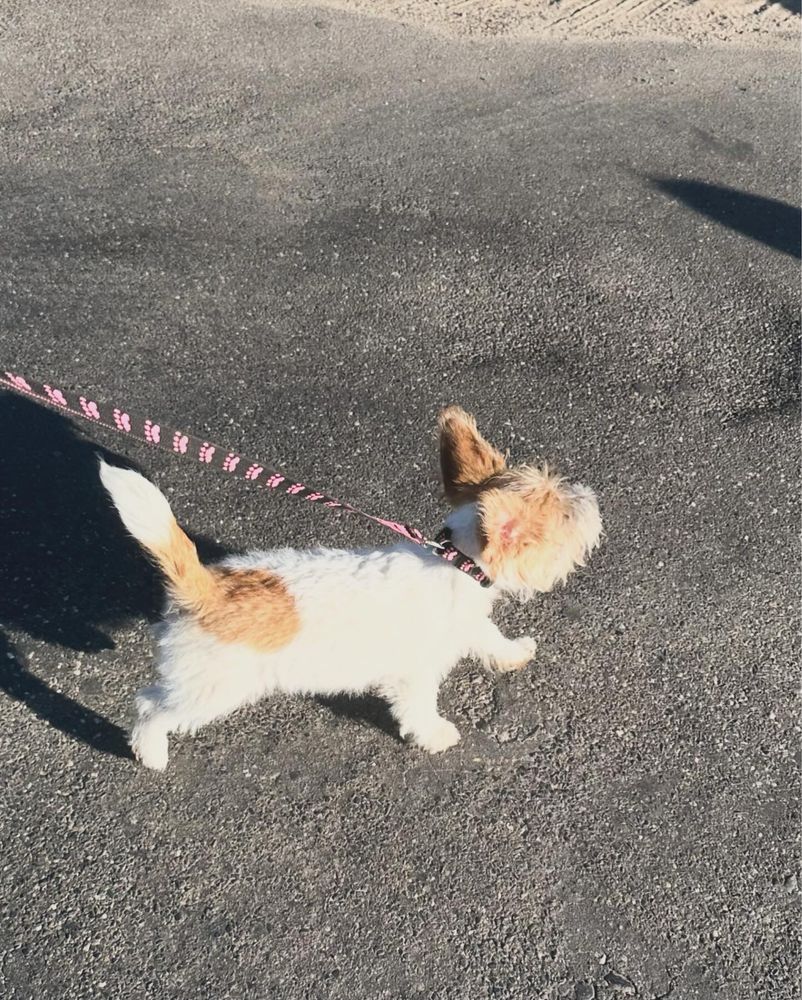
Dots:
pixel 143 508
pixel 394 620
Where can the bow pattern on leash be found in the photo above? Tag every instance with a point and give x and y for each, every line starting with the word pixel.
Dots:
pixel 224 460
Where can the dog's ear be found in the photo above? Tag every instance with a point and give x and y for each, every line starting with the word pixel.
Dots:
pixel 466 459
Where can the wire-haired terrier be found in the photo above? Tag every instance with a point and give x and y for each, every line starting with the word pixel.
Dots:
pixel 323 621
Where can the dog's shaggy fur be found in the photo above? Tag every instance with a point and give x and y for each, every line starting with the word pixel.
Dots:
pixel 392 620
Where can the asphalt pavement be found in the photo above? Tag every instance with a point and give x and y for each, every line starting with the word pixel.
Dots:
pixel 300 232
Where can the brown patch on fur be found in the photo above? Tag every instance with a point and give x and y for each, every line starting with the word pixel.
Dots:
pixel 249 606
pixel 467 460
pixel 190 582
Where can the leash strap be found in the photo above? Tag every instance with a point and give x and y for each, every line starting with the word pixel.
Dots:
pixel 212 456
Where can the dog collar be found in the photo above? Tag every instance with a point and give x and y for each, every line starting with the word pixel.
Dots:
pixel 449 552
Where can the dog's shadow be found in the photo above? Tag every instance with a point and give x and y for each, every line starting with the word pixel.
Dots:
pixel 68 571
pixel 364 708
pixel 57 709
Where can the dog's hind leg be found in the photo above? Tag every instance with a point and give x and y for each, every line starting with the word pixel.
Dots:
pixel 149 735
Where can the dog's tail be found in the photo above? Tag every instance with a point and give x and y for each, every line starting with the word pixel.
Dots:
pixel 147 515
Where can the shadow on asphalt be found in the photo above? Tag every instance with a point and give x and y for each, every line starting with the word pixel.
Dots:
pixel 68 570
pixel 770 222
pixel 58 710
pixel 362 708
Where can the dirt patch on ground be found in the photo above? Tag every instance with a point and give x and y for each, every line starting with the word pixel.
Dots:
pixel 692 20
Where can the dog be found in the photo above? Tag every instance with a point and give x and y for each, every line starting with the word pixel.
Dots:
pixel 323 621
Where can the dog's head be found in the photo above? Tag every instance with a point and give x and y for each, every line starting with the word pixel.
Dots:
pixel 527 527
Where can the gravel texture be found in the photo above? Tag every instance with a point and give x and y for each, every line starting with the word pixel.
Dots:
pixel 301 231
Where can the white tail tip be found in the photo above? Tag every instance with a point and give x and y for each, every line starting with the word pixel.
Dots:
pixel 142 508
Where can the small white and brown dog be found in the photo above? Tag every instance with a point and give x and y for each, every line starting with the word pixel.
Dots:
pixel 324 621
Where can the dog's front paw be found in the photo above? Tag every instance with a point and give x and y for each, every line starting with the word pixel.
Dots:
pixel 442 736
pixel 525 650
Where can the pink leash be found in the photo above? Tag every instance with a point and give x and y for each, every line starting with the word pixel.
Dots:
pixel 209 455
